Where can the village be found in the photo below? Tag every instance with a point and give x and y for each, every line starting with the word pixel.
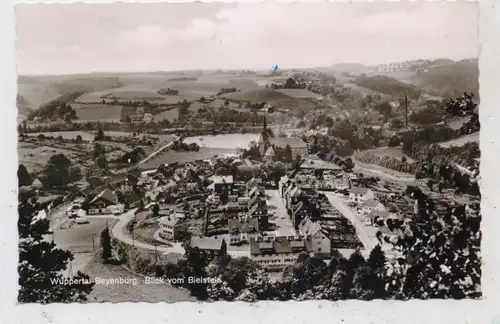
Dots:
pixel 318 208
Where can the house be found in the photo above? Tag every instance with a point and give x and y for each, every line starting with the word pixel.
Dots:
pixel 209 246
pixel 36 184
pixel 259 211
pixel 242 230
pixel 169 228
pixel 276 253
pixel 318 237
pixel 223 184
pixel 360 194
pixel 133 200
pixel 101 203
pixel 370 205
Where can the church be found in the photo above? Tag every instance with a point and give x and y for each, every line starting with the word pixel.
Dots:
pixel 266 141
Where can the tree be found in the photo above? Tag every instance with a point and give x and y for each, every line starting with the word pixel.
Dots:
pixel 156 210
pixel 223 248
pixel 75 173
pixel 100 135
pixel 106 245
pixel 41 265
pixel 79 139
pixel 56 172
pixel 23 176
pixel 376 261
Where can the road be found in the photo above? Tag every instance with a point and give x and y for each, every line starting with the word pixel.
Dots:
pixel 158 151
pixel 281 218
pixel 120 232
pixel 80 239
pixel 366 235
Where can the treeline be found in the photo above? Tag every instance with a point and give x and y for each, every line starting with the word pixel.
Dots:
pixel 57 109
pixel 168 91
pixel 388 85
pixel 426 134
pixel 226 90
pixel 436 163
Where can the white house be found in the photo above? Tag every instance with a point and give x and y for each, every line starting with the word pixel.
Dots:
pixel 319 240
pixel 169 228
pixel 360 194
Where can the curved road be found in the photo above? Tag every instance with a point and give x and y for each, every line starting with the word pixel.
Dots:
pixel 119 231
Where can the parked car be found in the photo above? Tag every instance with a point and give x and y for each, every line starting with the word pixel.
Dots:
pixel 82 220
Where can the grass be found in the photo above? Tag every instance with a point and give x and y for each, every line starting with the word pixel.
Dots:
pixel 395 152
pixel 99 112
pixel 461 140
pixel 299 93
pixel 36 157
pixel 140 292
pixel 145 233
pixel 271 96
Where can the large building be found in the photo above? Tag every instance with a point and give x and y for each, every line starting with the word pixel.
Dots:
pixel 267 140
pixel 276 253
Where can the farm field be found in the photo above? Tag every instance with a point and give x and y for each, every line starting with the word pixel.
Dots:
pixel 395 152
pixel 35 157
pixel 461 140
pixel 300 93
pixel 99 112
pixel 170 115
pixel 224 141
pixel 271 96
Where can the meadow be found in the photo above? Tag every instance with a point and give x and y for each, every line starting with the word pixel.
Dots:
pixel 461 140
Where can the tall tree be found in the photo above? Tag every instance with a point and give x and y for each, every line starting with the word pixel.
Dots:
pixel 56 172
pixel 106 244
pixel 376 261
pixel 41 264
pixel 23 176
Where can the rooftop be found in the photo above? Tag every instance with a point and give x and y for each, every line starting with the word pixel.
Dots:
pixel 168 220
pixel 315 162
pixel 248 226
pixel 294 142
pixel 359 190
pixel 280 245
pixel 207 243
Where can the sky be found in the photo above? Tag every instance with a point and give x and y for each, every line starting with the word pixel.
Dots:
pixel 135 37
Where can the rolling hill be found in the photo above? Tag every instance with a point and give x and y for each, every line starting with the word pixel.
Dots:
pixel 273 97
pixel 450 80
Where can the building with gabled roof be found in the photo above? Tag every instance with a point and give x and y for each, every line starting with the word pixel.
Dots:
pixel 276 253
pixel 209 246
pixel 360 194
pixel 242 230
pixel 102 201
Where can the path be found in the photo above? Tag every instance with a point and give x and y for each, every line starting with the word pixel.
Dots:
pixel 120 232
pixel 158 151
pixel 281 217
pixel 368 239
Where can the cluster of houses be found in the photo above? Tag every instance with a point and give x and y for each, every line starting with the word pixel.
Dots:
pixel 366 204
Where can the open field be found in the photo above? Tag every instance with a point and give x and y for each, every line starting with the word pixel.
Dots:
pixel 300 93
pixel 35 157
pixel 271 96
pixel 461 140
pixel 395 152
pixel 170 115
pixel 224 141
pixel 98 112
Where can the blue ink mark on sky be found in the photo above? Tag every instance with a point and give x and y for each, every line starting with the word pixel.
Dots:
pixel 276 68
